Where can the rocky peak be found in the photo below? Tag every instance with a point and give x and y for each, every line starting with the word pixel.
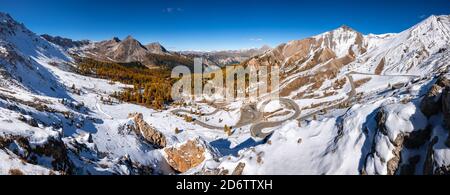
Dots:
pixel 340 30
pixel 341 40
pixel 431 19
pixel 128 50
pixel 265 48
pixel 116 39
pixel 432 24
pixel 5 16
pixel 410 51
pixel 129 40
pixel 156 47
pixel 9 26
pixel 345 28
pixel 129 37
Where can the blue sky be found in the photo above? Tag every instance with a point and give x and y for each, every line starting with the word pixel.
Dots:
pixel 216 24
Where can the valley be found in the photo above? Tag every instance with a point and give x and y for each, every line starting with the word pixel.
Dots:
pixel 348 103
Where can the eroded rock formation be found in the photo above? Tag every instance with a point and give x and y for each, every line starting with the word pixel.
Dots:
pixel 148 132
pixel 185 156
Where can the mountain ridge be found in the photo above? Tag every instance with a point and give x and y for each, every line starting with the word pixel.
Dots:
pixel 351 104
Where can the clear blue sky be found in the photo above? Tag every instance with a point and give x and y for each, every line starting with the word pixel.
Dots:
pixel 216 24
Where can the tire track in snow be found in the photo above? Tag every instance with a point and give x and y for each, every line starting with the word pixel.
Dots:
pixel 99 108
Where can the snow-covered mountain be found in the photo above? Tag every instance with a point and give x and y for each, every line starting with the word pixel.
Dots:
pixel 50 118
pixel 65 43
pixel 413 51
pixel 370 104
pixel 420 50
pixel 401 52
pixel 351 104
pixel 22 53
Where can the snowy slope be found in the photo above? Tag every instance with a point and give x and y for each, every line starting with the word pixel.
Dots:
pixel 363 118
pixel 39 110
pixel 377 127
pixel 407 52
pixel 23 53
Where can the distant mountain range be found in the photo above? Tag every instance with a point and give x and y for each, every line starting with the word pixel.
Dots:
pixel 152 54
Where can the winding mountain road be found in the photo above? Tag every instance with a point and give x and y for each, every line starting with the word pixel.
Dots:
pixel 351 94
pixel 256 129
pixel 250 115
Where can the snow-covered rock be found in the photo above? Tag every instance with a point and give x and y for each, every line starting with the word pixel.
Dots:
pixel 190 154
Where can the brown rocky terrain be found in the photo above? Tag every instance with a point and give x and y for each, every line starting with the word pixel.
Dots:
pixel 185 156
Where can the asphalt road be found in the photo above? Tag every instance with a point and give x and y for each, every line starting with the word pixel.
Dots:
pixel 256 129
pixel 250 115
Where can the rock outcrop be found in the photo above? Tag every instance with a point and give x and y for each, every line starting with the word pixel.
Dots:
pixel 446 107
pixel 434 101
pixel 431 102
pixel 53 148
pixel 393 142
pixel 443 81
pixel 130 51
pixel 394 162
pixel 239 169
pixel 186 156
pixel 149 133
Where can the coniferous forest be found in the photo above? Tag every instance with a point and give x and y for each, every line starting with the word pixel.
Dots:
pixel 151 87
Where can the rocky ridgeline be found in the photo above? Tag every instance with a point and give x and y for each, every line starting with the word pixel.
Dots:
pixel 437 101
pixel 410 150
